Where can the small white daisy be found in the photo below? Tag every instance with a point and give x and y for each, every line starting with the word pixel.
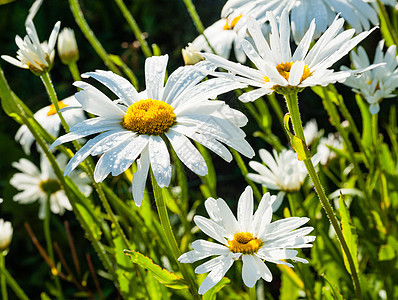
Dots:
pixel 282 172
pixel 191 55
pixel 49 119
pixel 140 124
pixel 379 83
pixel 359 14
pixel 334 140
pixel 33 55
pixel 252 238
pixel 35 184
pixel 221 36
pixel 5 235
pixel 279 70
pixel 67 46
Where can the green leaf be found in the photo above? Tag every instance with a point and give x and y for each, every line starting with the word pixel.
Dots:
pixel 265 116
pixel 333 292
pixel 291 284
pixel 386 252
pixel 125 277
pixel 165 277
pixel 298 145
pixel 212 293
pixel 2 2
pixel 366 122
pixel 8 100
pixel 349 233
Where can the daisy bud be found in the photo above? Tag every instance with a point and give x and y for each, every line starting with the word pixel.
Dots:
pixel 5 235
pixel 190 55
pixel 67 46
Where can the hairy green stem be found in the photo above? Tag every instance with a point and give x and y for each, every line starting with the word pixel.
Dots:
pixel 165 222
pixel 89 34
pixel 134 27
pixel 45 77
pixel 194 15
pixel 3 281
pixel 292 103
pixel 74 70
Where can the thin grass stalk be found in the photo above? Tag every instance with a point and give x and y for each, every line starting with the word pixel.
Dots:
pixel 134 27
pixel 12 283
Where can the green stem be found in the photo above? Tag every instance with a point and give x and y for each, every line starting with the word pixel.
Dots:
pixel 11 282
pixel 74 71
pixel 292 103
pixel 252 293
pixel 50 250
pixel 134 27
pixel 3 281
pixel 244 171
pixel 89 34
pixel 45 77
pixel 194 15
pixel 164 220
pixel 390 30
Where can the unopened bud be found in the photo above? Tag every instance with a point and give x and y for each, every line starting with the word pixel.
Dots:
pixel 190 55
pixel 67 46
pixel 5 235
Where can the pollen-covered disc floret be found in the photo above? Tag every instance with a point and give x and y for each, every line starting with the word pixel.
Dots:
pixel 149 116
pixel 245 243
pixel 252 238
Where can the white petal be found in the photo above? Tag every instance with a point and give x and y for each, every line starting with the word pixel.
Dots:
pixel 187 152
pixel 117 84
pixel 245 209
pixel 210 228
pixel 140 176
pixel 155 69
pixel 160 161
pixel 228 218
pixel 204 246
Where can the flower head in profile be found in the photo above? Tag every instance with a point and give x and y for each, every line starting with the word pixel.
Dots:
pixel 279 70
pixel 379 83
pixel 283 171
pixel 33 55
pixel 37 184
pixel 325 153
pixel 139 124
pixel 222 36
pixel 5 235
pixel 49 120
pixel 190 55
pixel 253 238
pixel 67 46
pixel 359 14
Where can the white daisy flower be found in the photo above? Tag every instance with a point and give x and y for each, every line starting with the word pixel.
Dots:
pixel 277 69
pixel 190 55
pixel 282 172
pixel 359 14
pixel 5 235
pixel 252 238
pixel 49 120
pixel 334 140
pixel 35 184
pixel 221 36
pixel 311 132
pixel 140 124
pixel 67 46
pixel 379 83
pixel 33 55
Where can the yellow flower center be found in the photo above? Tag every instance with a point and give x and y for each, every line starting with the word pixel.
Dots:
pixel 245 243
pixel 284 70
pixel 149 116
pixel 235 20
pixel 53 111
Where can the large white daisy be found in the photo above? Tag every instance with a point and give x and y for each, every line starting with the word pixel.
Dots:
pixel 49 119
pixel 136 125
pixel 33 55
pixel 252 238
pixel 379 83
pixel 277 69
pixel 359 14
pixel 35 184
